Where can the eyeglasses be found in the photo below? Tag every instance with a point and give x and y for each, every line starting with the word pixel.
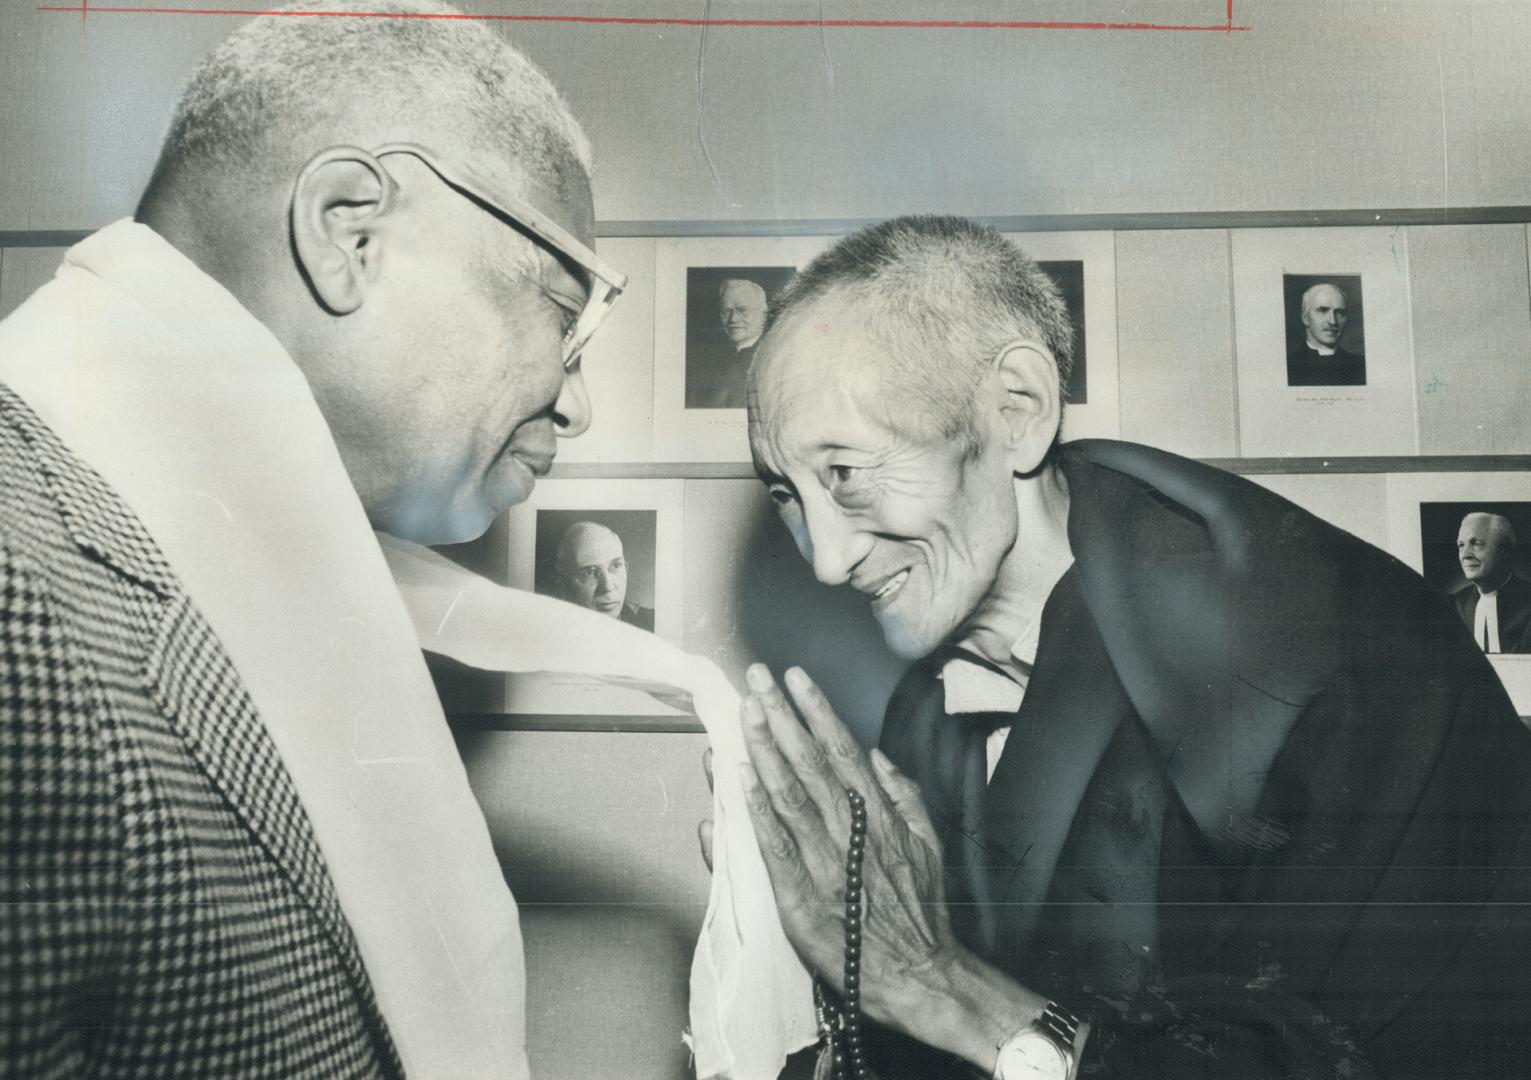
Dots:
pixel 605 284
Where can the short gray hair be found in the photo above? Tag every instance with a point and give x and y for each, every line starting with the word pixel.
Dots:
pixel 286 77
pixel 1502 527
pixel 944 296
pixel 1307 295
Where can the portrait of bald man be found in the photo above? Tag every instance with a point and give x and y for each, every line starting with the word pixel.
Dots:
pixel 727 310
pixel 1317 353
pixel 1496 601
pixel 352 298
pixel 591 564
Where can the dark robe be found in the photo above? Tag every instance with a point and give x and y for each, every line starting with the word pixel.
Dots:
pixel 1263 812
pixel 1514 612
pixel 1305 367
pixel 636 615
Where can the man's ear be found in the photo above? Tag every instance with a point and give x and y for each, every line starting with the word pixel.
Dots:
pixel 340 198
pixel 1031 407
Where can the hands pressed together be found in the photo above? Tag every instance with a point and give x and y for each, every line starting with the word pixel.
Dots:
pixel 915 976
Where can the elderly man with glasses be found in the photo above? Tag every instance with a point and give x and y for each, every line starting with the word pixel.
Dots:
pixel 237 839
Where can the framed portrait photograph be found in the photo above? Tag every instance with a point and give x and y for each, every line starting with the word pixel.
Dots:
pixel 619 366
pixel 1083 266
pixel 712 298
pixel 1324 342
pixel 613 547
pixel 1469 534
pixel 1325 339
pixel 726 310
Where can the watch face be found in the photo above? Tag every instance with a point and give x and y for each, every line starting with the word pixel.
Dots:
pixel 1031 1056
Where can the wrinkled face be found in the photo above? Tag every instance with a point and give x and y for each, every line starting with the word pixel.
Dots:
pixel 457 392
pixel 916 527
pixel 742 311
pixel 1481 549
pixel 595 572
pixel 1324 316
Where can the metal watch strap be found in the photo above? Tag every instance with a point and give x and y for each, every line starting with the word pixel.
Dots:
pixel 1060 1024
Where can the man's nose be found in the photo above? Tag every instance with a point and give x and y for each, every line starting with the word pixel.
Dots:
pixel 571 412
pixel 835 546
pixel 602 581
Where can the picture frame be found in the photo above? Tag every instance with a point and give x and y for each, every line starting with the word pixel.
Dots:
pixel 1083 266
pixel 696 417
pixel 577 519
pixel 1424 511
pixel 1290 401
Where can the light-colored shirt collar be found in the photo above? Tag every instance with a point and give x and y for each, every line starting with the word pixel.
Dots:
pixel 972 687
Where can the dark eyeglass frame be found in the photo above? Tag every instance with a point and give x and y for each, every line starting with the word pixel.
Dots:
pixel 605 282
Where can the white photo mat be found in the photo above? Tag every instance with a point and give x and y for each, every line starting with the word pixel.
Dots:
pixel 1405 494
pixel 1278 420
pixel 720 435
pixel 555 694
pixel 618 366
pixel 1099 417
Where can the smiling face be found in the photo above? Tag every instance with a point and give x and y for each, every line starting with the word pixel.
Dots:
pixel 919 527
pixel 1483 549
pixel 742 311
pixel 1324 315
pixel 593 568
pixel 452 392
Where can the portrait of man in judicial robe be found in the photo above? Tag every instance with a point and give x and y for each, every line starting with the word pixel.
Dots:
pixel 1473 552
pixel 1324 330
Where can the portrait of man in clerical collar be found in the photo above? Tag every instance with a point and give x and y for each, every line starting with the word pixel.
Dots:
pixel 727 312
pixel 1477 554
pixel 1324 333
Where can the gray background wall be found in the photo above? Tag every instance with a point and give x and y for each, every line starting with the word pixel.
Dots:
pixel 1344 104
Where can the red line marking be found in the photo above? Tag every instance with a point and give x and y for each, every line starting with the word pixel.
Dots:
pixel 870 24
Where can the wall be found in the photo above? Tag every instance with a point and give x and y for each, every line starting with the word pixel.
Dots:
pixel 1419 105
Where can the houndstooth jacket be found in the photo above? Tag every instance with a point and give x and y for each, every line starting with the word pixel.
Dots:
pixel 164 907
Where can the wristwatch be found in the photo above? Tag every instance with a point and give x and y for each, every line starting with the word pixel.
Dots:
pixel 1040 1051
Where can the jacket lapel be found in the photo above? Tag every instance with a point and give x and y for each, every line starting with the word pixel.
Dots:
pixel 1072 709
pixel 196 688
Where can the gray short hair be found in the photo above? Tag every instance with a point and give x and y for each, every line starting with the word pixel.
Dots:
pixel 282 79
pixel 945 295
pixel 1502 527
pixel 1307 295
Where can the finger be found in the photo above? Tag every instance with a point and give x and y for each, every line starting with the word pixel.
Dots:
pixel 809 759
pixel 704 837
pixel 784 863
pixel 786 793
pixel 707 766
pixel 844 755
pixel 906 798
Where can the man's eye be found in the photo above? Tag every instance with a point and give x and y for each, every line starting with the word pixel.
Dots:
pixel 781 496
pixel 844 474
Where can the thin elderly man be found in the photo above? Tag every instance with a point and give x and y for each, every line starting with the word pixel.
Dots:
pixel 742 310
pixel 1183 781
pixel 237 838
pixel 592 572
pixel 1321 360
pixel 1495 603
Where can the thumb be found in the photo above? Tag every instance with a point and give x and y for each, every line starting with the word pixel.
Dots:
pixel 905 796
